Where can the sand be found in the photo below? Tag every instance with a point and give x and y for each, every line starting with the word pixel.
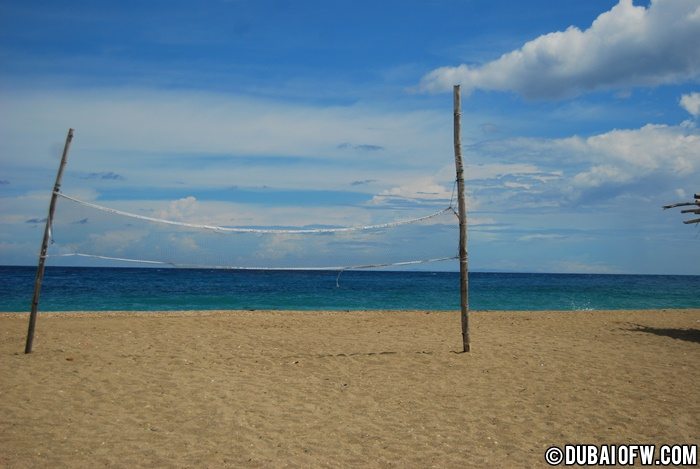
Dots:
pixel 342 389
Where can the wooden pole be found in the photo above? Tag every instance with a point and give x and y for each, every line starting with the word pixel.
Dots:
pixel 462 212
pixel 45 245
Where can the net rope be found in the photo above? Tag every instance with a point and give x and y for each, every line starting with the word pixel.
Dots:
pixel 200 266
pixel 224 229
pixel 91 234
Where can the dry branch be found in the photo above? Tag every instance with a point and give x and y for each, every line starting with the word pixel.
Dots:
pixel 682 204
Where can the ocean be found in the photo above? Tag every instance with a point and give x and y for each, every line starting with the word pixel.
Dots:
pixel 152 289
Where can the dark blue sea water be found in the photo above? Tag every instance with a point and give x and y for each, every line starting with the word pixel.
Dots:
pixel 100 289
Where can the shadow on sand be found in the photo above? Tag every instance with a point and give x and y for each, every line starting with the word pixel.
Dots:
pixel 690 335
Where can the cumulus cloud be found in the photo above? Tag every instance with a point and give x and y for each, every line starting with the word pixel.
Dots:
pixel 691 103
pixel 624 155
pixel 594 168
pixel 625 47
pixel 181 209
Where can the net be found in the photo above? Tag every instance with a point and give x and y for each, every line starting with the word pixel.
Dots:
pixel 85 231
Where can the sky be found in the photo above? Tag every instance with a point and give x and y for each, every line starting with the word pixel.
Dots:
pixel 580 120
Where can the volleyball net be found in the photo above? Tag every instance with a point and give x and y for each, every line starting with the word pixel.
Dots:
pixel 89 233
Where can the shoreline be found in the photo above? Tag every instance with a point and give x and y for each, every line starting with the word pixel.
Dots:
pixel 331 388
pixel 208 312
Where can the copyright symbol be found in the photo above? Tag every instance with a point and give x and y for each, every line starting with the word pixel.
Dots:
pixel 553 456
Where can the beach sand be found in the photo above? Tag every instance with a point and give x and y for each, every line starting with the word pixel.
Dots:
pixel 343 389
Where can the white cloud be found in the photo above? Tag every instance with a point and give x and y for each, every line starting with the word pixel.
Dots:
pixel 603 174
pixel 181 209
pixel 625 47
pixel 691 103
pixel 625 155
pixel 565 169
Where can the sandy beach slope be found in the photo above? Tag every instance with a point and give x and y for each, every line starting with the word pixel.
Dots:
pixel 342 389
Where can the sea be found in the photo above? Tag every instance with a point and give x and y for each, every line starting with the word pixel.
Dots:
pixel 157 289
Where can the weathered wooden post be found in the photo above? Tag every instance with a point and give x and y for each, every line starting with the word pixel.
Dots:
pixel 45 245
pixel 462 212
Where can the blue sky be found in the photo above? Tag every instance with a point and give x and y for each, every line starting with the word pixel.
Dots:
pixel 580 119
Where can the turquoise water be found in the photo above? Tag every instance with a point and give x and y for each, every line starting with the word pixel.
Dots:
pixel 100 289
